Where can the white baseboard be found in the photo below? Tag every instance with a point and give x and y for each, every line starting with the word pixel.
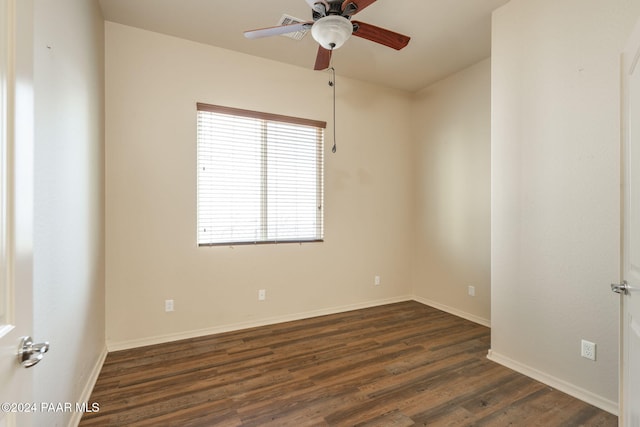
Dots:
pixel 476 319
pixel 557 383
pixel 88 388
pixel 125 345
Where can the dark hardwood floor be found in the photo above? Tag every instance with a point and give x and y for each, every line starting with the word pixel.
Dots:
pixel 401 364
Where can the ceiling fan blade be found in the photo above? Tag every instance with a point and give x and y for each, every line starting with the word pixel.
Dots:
pixel 323 59
pixel 359 5
pixel 380 35
pixel 274 31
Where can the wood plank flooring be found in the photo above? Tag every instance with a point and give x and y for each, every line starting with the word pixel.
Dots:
pixel 398 365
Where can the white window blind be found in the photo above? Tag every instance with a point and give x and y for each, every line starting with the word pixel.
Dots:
pixel 260 177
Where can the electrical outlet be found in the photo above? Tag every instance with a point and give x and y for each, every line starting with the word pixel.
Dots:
pixel 376 280
pixel 168 305
pixel 262 294
pixel 472 291
pixel 588 350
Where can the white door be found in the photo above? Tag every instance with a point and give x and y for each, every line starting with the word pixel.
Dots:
pixel 630 295
pixel 16 206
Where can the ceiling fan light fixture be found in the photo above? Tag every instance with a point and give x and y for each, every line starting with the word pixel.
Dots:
pixel 332 31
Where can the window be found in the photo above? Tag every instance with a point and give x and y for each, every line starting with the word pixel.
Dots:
pixel 260 177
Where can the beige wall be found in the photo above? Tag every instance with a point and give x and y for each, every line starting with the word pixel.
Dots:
pixel 69 200
pixel 452 137
pixel 152 85
pixel 556 189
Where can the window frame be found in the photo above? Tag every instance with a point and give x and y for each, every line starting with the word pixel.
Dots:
pixel 320 127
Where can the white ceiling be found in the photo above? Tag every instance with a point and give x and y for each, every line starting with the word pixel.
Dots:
pixel 446 35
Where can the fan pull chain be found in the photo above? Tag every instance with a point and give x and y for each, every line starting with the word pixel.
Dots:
pixel 332 83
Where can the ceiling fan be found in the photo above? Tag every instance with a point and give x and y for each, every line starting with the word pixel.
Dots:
pixel 332 26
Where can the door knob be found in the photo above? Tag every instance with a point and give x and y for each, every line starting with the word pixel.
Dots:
pixel 620 288
pixel 29 353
